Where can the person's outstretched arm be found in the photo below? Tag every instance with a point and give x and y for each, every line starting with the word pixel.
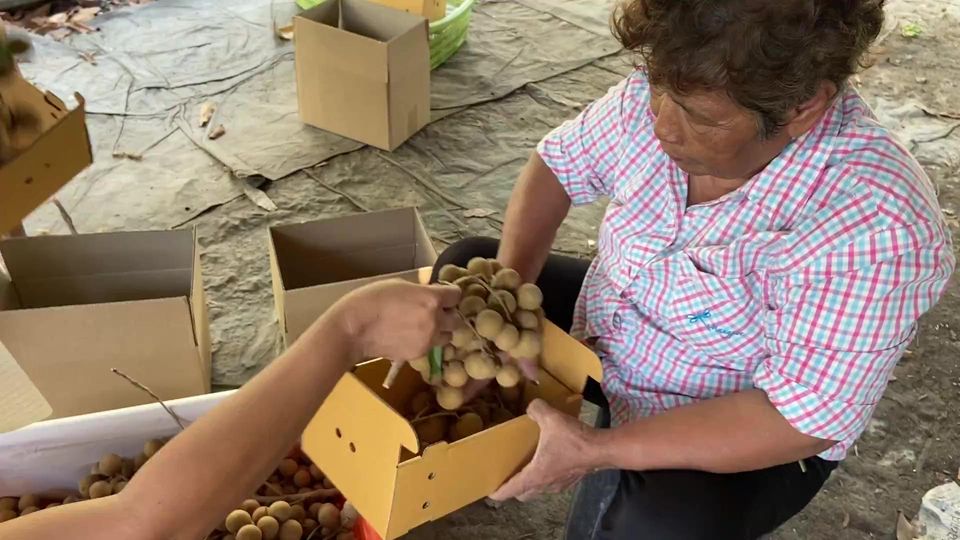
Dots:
pixel 204 472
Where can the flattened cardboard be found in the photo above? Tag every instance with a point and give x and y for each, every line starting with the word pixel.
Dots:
pixel 54 454
pixel 58 154
pixel 77 306
pixel 358 438
pixel 20 401
pixel 316 263
pixel 434 10
pixel 363 71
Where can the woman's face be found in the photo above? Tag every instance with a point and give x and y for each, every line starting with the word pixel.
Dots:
pixel 708 134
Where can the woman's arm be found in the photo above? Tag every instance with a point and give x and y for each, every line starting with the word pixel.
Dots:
pixel 203 473
pixel 537 207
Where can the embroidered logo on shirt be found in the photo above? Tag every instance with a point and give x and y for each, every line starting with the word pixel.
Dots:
pixel 702 318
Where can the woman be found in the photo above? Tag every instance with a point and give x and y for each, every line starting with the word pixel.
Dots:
pixel 766 253
pixel 184 491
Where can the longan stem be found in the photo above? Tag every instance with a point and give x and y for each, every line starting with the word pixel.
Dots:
pixel 134 382
pixel 434 415
pixel 322 493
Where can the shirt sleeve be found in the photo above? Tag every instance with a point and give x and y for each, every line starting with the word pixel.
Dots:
pixel 584 153
pixel 834 338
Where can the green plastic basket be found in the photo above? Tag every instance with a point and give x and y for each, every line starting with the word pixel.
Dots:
pixel 446 35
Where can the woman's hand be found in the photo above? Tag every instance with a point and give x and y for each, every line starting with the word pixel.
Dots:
pixel 397 319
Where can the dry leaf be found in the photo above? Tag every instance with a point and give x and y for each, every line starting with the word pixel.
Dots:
pixel 905 529
pixel 81 27
pixel 82 15
pixel 217 132
pixel 57 18
pixel 206 113
pixel 478 213
pixel 89 57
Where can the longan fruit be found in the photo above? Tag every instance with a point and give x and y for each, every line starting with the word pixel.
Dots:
pixel 309 525
pixel 489 323
pixel 70 499
pixel 328 484
pixel 507 278
pixel 110 464
pixel 151 447
pixel 249 532
pixel 508 376
pixel 348 515
pixel 237 519
pixel 128 468
pixel 269 526
pixel 328 516
pixel 529 297
pixel 288 489
pixel 52 505
pixel 297 513
pixel 450 398
pixel 474 345
pixel 250 506
pixel 449 353
pixel 100 489
pixel 431 430
pixel 8 503
pixel 259 513
pixel 480 366
pixel 496 265
pixel 420 364
pixel 454 374
pixel 478 266
pixel 451 273
pixel 475 290
pixel 95 468
pixel 420 402
pixel 503 302
pixel 501 415
pixel 508 338
pixel 27 501
pixel 462 336
pixel 303 478
pixel 471 305
pixel 290 530
pixel 7 514
pixel 29 510
pixel 139 461
pixel 528 347
pixel 117 485
pixel 466 425
pixel 280 510
pixel 528 320
pixel 288 467
pixel 304 490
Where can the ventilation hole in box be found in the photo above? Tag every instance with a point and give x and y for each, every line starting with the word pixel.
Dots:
pixel 353 448
pixel 431 476
pixel 28 181
pixel 339 435
pixel 426 505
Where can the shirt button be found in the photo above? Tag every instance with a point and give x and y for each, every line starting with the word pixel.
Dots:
pixel 617 321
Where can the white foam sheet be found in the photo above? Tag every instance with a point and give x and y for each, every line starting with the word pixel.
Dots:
pixel 56 454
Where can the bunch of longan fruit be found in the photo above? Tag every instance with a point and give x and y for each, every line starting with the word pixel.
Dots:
pixel 295 503
pixel 491 407
pixel 107 477
pixel 501 324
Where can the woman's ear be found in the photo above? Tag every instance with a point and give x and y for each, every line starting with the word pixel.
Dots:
pixel 808 113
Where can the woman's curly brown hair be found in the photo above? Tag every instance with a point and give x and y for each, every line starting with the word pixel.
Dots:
pixel 769 56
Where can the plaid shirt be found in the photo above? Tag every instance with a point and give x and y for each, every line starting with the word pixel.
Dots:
pixel 806 283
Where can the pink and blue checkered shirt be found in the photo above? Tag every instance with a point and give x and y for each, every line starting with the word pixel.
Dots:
pixel 807 282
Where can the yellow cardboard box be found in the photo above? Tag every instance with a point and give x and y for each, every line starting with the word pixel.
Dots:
pixel 365 445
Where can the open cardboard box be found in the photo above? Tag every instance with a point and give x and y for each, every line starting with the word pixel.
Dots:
pixel 73 307
pixel 369 450
pixel 56 454
pixel 59 149
pixel 363 71
pixel 314 264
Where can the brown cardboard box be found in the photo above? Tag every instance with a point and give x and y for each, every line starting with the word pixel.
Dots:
pixel 364 445
pixel 60 150
pixel 315 263
pixel 431 9
pixel 363 71
pixel 73 307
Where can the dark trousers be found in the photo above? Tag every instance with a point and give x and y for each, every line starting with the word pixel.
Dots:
pixel 661 505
